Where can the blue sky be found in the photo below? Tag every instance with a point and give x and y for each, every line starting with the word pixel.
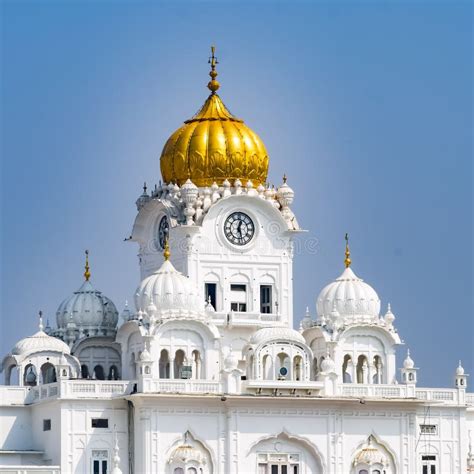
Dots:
pixel 367 106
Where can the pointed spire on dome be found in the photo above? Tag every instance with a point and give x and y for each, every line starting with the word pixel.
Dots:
pixel 166 250
pixel 40 325
pixel 213 85
pixel 87 273
pixel 347 260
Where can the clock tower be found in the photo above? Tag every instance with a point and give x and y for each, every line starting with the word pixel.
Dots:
pixel 228 231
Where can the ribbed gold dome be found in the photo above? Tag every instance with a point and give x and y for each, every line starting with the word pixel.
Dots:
pixel 214 146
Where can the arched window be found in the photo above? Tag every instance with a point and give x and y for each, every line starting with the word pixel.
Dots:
pixel 84 371
pixel 99 372
pixel 347 368
pixel 48 373
pixel 113 373
pixel 362 369
pixel 11 375
pixel 321 360
pixel 164 364
pixel 267 367
pixel 192 470
pixel 133 366
pixel 297 368
pixel 250 372
pixel 178 363
pixel 30 377
pixel 377 377
pixel 196 369
pixel 178 470
pixel 363 471
pixel 283 365
pixel 315 368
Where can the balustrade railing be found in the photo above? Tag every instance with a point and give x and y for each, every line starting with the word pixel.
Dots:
pixel 182 386
pixel 15 395
pixel 446 395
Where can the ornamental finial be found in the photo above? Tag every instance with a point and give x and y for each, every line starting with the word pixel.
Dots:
pixel 87 273
pixel 347 260
pixel 166 250
pixel 213 85
pixel 284 178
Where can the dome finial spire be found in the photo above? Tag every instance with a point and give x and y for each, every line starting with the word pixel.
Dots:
pixel 40 325
pixel 166 250
pixel 213 85
pixel 347 260
pixel 87 273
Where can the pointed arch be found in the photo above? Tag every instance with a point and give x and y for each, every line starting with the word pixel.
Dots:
pixel 312 456
pixel 48 373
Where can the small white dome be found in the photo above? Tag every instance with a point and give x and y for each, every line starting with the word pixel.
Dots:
pixel 169 290
pixel 145 356
pixel 328 365
pixel 350 296
pixel 231 361
pixel 90 310
pixel 460 369
pixel 389 317
pixel 408 363
pixel 277 333
pixel 39 342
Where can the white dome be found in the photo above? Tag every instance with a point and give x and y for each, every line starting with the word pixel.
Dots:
pixel 349 296
pixel 231 361
pixel 460 369
pixel 408 363
pixel 169 290
pixel 277 333
pixel 90 310
pixel 328 365
pixel 39 342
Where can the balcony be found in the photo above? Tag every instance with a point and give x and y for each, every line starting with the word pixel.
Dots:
pixel 448 396
pixel 182 386
pixel 13 395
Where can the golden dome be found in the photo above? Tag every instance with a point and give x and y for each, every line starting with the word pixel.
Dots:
pixel 214 146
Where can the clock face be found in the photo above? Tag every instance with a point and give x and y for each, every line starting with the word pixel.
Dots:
pixel 239 228
pixel 163 230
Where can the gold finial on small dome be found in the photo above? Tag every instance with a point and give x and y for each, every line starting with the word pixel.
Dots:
pixel 347 260
pixel 284 178
pixel 213 85
pixel 87 273
pixel 166 250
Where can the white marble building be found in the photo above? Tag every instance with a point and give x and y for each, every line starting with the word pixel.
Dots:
pixel 206 374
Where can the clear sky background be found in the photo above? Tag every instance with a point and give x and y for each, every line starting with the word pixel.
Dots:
pixel 367 106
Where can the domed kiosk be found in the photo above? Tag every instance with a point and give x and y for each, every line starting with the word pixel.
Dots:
pixel 37 359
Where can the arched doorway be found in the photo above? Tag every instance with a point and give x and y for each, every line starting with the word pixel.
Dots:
pixel 48 373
